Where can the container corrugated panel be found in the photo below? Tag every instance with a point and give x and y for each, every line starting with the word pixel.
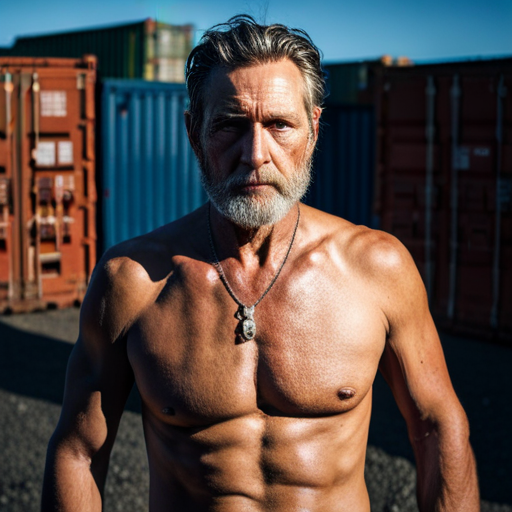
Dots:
pixel 344 165
pixel 123 51
pixel 150 175
pixel 454 123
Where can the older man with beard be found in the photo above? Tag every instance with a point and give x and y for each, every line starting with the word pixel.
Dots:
pixel 254 326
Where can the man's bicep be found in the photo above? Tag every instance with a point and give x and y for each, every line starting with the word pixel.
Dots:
pixel 98 377
pixel 95 393
pixel 413 361
pixel 414 367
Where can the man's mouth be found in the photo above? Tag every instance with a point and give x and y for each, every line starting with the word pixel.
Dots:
pixel 256 185
pixel 252 183
pixel 249 188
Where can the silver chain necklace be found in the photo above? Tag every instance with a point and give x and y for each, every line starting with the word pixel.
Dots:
pixel 245 314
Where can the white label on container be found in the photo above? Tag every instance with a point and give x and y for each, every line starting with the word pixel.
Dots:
pixel 164 37
pixel 65 151
pixel 45 153
pixel 53 104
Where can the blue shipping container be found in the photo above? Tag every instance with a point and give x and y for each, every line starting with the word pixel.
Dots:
pixel 149 174
pixel 344 165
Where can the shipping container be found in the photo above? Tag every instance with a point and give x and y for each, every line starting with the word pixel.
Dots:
pixel 150 175
pixel 358 82
pixel 353 83
pixel 344 164
pixel 47 181
pixel 445 175
pixel 147 50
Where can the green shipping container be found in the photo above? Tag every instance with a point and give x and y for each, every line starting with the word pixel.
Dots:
pixel 148 49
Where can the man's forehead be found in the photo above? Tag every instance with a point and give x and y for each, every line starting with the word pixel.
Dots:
pixel 273 85
pixel 236 107
pixel 230 104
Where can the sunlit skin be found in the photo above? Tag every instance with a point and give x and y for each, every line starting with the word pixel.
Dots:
pixel 278 423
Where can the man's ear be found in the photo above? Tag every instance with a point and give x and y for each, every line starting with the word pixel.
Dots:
pixel 315 121
pixel 192 132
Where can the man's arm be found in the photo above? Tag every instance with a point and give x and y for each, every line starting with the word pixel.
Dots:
pixel 413 364
pixel 98 381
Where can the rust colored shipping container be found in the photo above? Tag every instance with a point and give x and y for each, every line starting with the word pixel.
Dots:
pixel 445 175
pixel 47 182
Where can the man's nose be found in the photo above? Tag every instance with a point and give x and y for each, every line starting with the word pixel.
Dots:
pixel 255 150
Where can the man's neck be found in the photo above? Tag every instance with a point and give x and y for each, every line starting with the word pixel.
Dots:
pixel 252 247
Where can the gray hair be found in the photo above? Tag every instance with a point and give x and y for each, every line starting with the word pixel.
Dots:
pixel 241 42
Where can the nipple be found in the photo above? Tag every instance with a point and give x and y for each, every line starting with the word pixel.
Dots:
pixel 346 393
pixel 169 411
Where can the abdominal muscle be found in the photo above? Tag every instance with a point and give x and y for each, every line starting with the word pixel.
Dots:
pixel 260 462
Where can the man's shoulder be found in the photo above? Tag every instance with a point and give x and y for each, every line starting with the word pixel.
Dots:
pixel 383 264
pixel 378 253
pixel 119 288
pixel 133 259
pixel 379 263
pixel 150 255
pixel 132 273
pixel 374 252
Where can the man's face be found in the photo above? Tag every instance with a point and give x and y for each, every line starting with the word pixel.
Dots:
pixel 256 142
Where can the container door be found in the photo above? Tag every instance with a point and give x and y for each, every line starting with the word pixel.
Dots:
pixel 62 182
pixel 47 190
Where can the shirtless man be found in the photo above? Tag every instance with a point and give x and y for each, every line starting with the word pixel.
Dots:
pixel 254 327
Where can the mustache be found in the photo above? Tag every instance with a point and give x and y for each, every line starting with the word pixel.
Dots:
pixel 262 176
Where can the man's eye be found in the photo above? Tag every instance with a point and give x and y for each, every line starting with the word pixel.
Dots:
pixel 280 125
pixel 230 126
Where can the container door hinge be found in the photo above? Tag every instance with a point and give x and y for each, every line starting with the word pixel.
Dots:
pixel 80 81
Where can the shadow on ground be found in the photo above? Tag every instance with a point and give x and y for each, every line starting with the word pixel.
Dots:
pixel 35 366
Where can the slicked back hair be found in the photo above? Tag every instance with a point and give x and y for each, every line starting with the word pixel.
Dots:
pixel 241 42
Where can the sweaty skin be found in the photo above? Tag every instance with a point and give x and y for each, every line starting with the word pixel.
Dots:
pixel 278 423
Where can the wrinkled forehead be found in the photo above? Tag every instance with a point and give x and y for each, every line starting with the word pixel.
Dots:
pixel 270 86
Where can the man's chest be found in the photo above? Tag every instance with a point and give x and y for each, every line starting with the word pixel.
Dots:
pixel 315 352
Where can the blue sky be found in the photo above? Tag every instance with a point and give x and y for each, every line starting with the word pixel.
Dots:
pixel 344 30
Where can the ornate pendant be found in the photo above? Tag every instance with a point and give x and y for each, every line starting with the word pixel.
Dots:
pixel 246 316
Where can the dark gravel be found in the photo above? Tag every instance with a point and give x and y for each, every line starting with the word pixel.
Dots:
pixel 34 349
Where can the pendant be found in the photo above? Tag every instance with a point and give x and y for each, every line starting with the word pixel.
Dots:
pixel 246 316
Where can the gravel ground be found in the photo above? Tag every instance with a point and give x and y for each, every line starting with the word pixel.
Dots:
pixel 34 349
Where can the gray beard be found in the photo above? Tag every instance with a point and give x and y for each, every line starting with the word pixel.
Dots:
pixel 250 211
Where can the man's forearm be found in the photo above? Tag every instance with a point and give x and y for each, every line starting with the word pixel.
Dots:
pixel 447 478
pixel 69 484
